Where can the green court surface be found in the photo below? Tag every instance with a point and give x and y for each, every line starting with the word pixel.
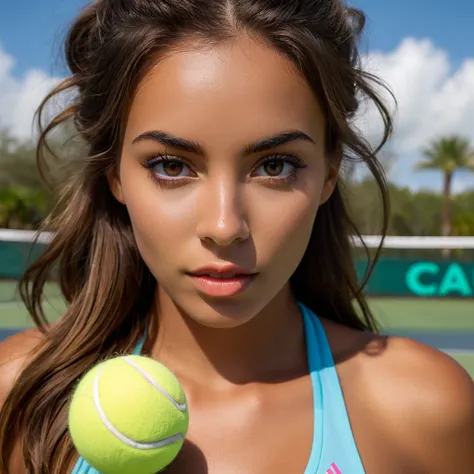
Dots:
pixel 424 314
pixel 440 316
pixel 467 361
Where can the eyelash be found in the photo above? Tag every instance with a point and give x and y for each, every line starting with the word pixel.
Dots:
pixel 286 158
pixel 159 179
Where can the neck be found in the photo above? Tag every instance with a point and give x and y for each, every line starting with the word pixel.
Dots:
pixel 267 348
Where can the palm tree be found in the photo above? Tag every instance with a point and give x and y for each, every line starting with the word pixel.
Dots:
pixel 448 155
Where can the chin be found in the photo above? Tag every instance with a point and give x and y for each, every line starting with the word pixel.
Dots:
pixel 223 313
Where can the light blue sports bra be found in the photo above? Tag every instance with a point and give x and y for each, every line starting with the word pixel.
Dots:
pixel 334 450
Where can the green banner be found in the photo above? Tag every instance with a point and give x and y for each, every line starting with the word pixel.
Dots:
pixel 391 276
pixel 16 256
pixel 421 278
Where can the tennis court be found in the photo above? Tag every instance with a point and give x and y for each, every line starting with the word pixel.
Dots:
pixel 447 324
pixel 410 267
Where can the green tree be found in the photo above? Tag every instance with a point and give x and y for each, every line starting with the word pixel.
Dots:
pixel 24 200
pixel 463 214
pixel 448 155
pixel 13 209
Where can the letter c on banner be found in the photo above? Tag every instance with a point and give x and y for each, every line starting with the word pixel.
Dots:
pixel 414 283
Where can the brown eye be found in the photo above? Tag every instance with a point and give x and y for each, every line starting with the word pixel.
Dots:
pixel 274 167
pixel 169 168
pixel 173 168
pixel 279 167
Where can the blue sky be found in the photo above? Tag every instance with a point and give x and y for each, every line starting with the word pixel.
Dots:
pixel 30 30
pixel 447 22
pixel 420 47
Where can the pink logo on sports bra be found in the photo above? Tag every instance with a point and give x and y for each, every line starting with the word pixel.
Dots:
pixel 333 469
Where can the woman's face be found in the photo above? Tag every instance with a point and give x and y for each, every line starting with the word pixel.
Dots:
pixel 222 171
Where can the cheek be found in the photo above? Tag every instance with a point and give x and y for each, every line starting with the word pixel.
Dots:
pixel 284 224
pixel 161 226
pixel 286 233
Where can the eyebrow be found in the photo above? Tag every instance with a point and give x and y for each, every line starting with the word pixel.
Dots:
pixel 170 140
pixel 277 140
pixel 195 147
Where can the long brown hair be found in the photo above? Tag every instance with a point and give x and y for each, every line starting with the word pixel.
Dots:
pixel 106 284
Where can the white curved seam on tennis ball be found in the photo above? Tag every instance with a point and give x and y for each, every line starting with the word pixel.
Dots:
pixel 114 431
pixel 177 405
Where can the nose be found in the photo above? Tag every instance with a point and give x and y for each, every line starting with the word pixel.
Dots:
pixel 222 218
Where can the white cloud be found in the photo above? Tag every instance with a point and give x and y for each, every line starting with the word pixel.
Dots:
pixel 434 99
pixel 19 97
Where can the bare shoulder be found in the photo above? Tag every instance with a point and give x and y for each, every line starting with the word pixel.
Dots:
pixel 427 380
pixel 15 353
pixel 426 400
pixel 415 401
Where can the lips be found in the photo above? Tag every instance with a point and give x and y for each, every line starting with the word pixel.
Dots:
pixel 222 280
pixel 220 276
pixel 221 271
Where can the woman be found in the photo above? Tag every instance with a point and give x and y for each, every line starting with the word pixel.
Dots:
pixel 208 215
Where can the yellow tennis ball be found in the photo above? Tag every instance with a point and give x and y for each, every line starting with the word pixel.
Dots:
pixel 128 415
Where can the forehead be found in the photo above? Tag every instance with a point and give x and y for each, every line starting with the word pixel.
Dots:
pixel 235 90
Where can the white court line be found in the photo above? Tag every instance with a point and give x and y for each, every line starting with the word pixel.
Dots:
pixel 458 351
pixel 48 301
pixel 451 352
pixel 10 304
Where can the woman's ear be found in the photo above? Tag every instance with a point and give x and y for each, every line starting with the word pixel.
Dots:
pixel 115 185
pixel 333 165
